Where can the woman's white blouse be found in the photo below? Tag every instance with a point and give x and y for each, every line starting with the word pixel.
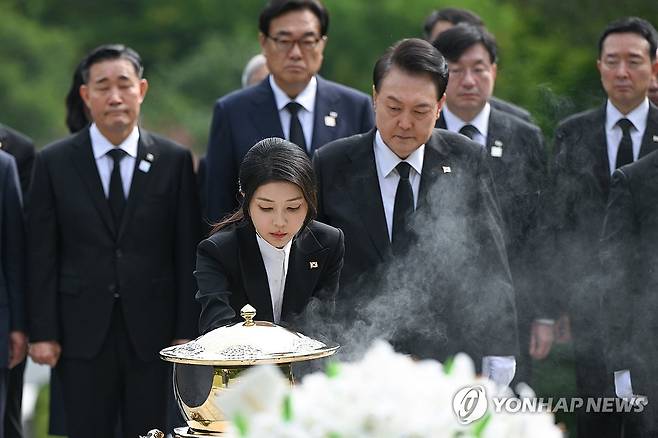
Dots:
pixel 276 267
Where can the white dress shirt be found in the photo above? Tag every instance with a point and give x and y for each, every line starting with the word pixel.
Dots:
pixel 613 132
pixel 500 369
pixel 305 115
pixel 105 164
pixel 386 160
pixel 276 267
pixel 481 122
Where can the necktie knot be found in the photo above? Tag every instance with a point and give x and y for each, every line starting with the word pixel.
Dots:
pixel 469 131
pixel 625 125
pixel 293 107
pixel 403 169
pixel 116 155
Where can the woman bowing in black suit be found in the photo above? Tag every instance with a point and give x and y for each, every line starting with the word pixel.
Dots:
pixel 269 253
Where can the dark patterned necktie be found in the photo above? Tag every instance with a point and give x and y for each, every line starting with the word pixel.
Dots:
pixel 402 209
pixel 296 131
pixel 116 198
pixel 625 151
pixel 469 131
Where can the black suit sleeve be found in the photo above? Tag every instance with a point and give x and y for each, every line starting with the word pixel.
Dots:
pixel 43 256
pixel 221 176
pixel 622 295
pixel 484 301
pixel 13 248
pixel 328 286
pixel 214 288
pixel 186 237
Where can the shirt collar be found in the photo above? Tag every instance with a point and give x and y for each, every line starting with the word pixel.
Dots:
pixel 638 116
pixel 306 98
pixel 101 145
pixel 270 252
pixel 480 121
pixel 386 159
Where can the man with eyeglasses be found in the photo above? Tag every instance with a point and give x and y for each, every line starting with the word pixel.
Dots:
pixel 516 154
pixel 293 102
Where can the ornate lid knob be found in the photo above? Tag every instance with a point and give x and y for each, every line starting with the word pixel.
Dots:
pixel 248 313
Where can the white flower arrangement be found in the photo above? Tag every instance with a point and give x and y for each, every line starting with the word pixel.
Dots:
pixel 384 395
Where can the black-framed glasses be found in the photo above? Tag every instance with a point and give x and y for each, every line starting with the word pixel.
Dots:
pixel 306 44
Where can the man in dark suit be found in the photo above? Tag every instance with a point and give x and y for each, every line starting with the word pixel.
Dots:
pixel 446 18
pixel 630 237
pixel 22 149
pixel 112 227
pixel 440 274
pixel 589 146
pixel 517 157
pixel 293 102
pixel 13 342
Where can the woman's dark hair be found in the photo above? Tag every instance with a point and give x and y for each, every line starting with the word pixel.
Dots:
pixel 269 160
pixel 77 116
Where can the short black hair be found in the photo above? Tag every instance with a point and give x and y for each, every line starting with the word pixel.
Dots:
pixel 276 8
pixel 414 56
pixel 636 25
pixel 458 39
pixel 451 15
pixel 108 52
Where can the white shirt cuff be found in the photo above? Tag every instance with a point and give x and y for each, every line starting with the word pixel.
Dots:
pixel 623 387
pixel 500 369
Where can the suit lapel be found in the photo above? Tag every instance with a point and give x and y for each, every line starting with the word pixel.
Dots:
pixel 363 187
pixel 253 273
pixel 650 138
pixel 434 162
pixel 264 111
pixel 140 179
pixel 307 258
pixel 325 106
pixel 84 162
pixel 497 130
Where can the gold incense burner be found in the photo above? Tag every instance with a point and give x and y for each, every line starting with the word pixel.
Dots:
pixel 210 365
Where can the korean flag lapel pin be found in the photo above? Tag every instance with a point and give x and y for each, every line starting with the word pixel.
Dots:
pixel 330 119
pixel 312 265
pixel 446 169
pixel 145 164
pixel 655 139
pixel 497 149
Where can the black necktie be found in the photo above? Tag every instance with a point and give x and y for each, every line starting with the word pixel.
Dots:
pixel 296 131
pixel 404 206
pixel 625 151
pixel 469 131
pixel 116 199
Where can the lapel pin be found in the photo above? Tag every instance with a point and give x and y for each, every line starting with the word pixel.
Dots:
pixel 497 149
pixel 330 119
pixel 144 166
pixel 446 169
pixel 655 139
pixel 150 157
pixel 312 265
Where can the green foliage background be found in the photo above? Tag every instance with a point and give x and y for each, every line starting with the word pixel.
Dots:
pixel 194 51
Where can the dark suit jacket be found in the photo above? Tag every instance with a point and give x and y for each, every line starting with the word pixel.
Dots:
pixel 577 201
pixel 510 108
pixel 12 254
pixel 230 273
pixel 520 175
pixel 80 258
pixel 22 148
pixel 630 240
pixel 452 291
pixel 244 117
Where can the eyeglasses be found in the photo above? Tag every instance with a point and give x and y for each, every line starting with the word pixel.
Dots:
pixel 306 44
